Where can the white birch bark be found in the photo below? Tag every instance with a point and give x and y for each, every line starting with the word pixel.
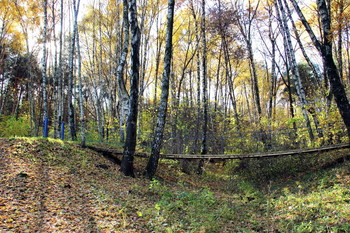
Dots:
pixel 71 116
pixel 123 96
pixel 43 62
pixel 294 67
pixel 163 105
pixel 80 90
pixel 325 50
pixel 131 128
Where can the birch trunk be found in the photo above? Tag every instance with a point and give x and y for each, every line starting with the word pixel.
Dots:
pixel 245 29
pixel 325 50
pixel 198 73
pixel 273 81
pixel 71 115
pixel 55 76
pixel 204 90
pixel 229 77
pixel 123 96
pixel 158 138
pixel 60 98
pixel 131 128
pixel 294 67
pixel 80 90
pixel 340 38
pixel 301 46
pixel 43 73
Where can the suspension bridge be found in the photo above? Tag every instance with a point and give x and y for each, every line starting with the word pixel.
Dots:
pixel 238 145
pixel 116 152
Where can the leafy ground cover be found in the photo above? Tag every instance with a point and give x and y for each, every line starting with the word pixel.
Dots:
pixel 54 186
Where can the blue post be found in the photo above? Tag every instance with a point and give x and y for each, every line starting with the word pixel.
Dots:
pixel 62 131
pixel 46 128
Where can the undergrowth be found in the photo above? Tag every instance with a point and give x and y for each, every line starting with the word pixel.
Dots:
pixel 287 194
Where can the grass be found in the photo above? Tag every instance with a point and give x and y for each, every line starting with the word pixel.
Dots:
pixel 53 186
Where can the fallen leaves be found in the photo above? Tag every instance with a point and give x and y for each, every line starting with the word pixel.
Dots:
pixel 51 186
pixel 46 187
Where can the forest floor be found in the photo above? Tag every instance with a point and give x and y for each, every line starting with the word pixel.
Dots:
pixel 48 185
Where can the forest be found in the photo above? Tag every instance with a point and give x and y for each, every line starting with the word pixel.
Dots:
pixel 136 115
pixel 191 77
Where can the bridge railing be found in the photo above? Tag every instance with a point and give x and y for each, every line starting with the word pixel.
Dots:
pixel 189 142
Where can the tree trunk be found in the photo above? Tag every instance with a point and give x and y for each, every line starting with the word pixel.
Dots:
pixel 245 29
pixel 71 115
pixel 317 77
pixel 325 50
pixel 55 75
pixel 80 90
pixel 340 38
pixel 158 138
pixel 60 99
pixel 198 64
pixel 301 46
pixel 218 70
pixel 131 128
pixel 43 73
pixel 204 90
pixel 294 67
pixel 123 96
pixel 229 78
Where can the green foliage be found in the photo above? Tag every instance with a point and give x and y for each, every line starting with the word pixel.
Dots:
pixel 289 194
pixel 322 210
pixel 265 170
pixel 12 127
pixel 197 211
pixel 92 134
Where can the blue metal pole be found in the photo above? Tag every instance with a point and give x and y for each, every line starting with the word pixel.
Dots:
pixel 46 128
pixel 62 131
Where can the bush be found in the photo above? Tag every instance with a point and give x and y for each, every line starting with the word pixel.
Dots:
pixel 12 127
pixel 195 211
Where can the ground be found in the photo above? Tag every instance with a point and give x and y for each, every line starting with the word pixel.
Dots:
pixel 53 186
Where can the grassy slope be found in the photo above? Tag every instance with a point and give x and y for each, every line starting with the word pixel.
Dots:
pixel 51 186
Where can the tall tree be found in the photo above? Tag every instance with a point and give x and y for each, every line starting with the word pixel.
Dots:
pixel 44 77
pixel 60 102
pixel 80 92
pixel 198 64
pixel 326 52
pixel 123 96
pixel 293 64
pixel 316 76
pixel 163 105
pixel 245 24
pixel 131 128
pixel 340 19
pixel 71 115
pixel 204 89
pixel 27 20
pixel 222 25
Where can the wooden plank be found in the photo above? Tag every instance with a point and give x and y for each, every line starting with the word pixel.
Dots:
pixel 256 155
pixel 232 156
pixel 115 151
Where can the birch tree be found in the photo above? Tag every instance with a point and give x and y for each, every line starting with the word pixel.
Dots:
pixel 163 105
pixel 204 149
pixel 317 78
pixel 292 61
pixel 43 73
pixel 245 24
pixel 60 102
pixel 325 50
pixel 71 116
pixel 80 92
pixel 123 96
pixel 131 128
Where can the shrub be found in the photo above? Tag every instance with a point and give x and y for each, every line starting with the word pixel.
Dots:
pixel 12 127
